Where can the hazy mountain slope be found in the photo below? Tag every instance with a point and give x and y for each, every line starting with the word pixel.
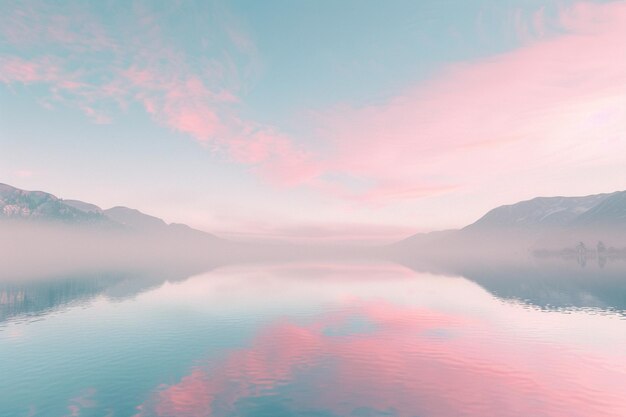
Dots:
pixel 553 222
pixel 37 205
pixel 82 206
pixel 135 219
pixel 42 235
pixel 145 223
pixel 539 212
pixel 17 204
pixel 611 212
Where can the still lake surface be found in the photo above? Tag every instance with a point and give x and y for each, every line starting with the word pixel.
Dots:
pixel 317 339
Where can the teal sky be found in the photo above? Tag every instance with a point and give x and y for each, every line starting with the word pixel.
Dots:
pixel 313 120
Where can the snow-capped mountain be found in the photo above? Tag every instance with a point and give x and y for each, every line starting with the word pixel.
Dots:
pixel 540 222
pixel 38 205
pixel 538 212
pixel 43 235
pixel 17 204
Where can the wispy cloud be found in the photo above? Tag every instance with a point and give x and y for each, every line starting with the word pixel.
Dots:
pixel 555 102
pixel 102 74
pixel 18 70
pixel 37 24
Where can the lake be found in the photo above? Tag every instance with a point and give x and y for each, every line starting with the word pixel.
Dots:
pixel 316 339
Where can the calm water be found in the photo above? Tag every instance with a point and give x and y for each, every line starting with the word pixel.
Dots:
pixel 345 339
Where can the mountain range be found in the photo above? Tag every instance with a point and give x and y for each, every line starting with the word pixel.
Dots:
pixel 22 205
pixel 550 223
pixel 542 222
pixel 43 235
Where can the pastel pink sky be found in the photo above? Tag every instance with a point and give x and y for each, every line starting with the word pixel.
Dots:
pixel 544 116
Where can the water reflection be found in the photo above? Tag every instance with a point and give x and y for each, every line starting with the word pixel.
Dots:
pixel 548 283
pixel 322 339
pixel 409 362
pixel 41 296
pixel 556 286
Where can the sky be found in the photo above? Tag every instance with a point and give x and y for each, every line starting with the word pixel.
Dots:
pixel 313 121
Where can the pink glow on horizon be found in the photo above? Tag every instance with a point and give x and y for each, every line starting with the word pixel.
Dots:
pixel 440 372
pixel 315 232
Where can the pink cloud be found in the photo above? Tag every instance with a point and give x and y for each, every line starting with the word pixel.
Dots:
pixel 276 156
pixel 69 26
pixel 184 103
pixel 144 68
pixel 66 87
pixel 521 110
pixel 148 70
pixel 198 121
pixel 18 70
pixel 175 98
pixel 554 102
pixel 385 191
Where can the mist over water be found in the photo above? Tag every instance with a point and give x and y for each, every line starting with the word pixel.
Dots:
pixel 312 209
pixel 317 337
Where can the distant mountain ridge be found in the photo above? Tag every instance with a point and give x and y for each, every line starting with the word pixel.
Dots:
pixel 38 205
pixel 546 220
pixel 611 211
pixel 134 218
pixel 82 206
pixel 569 212
pixel 539 222
pixel 539 212
pixel 17 204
